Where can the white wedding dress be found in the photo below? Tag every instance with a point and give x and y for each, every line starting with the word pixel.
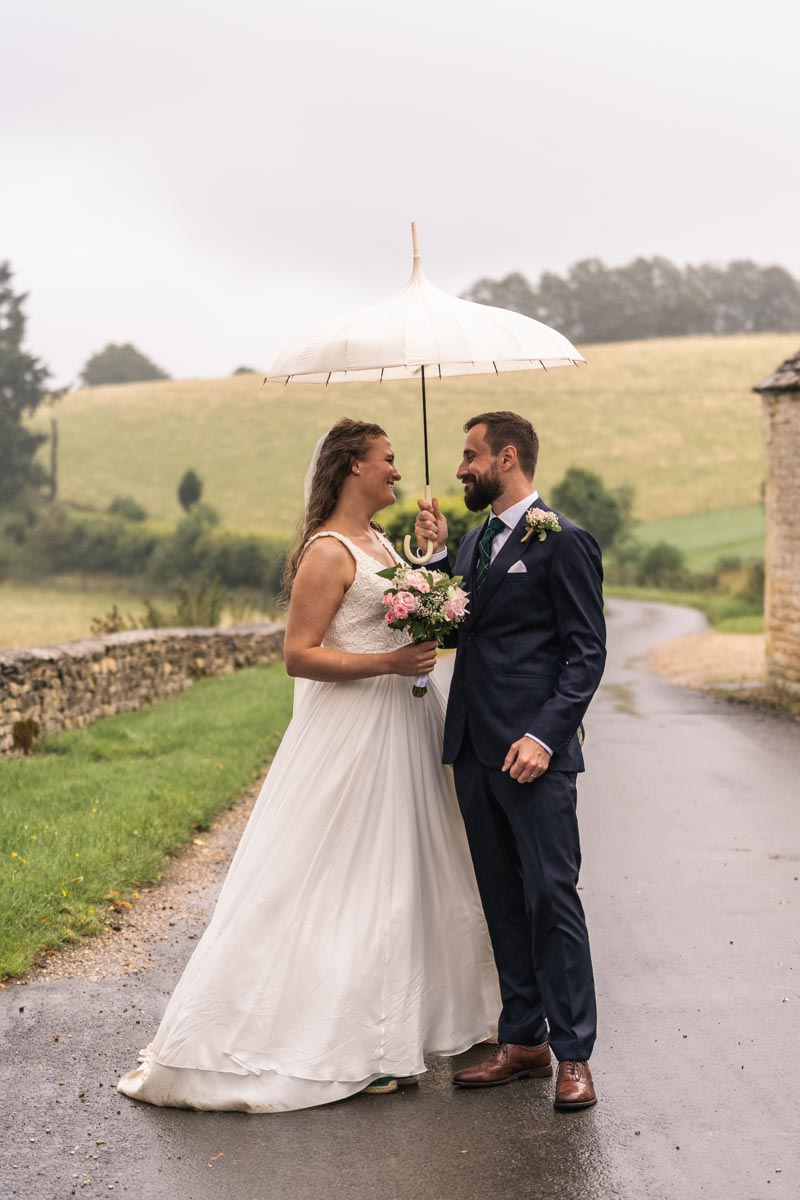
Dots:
pixel 348 939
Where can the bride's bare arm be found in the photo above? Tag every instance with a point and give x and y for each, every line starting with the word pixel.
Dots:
pixel 325 573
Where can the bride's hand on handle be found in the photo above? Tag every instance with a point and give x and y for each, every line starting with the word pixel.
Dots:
pixel 431 525
pixel 417 658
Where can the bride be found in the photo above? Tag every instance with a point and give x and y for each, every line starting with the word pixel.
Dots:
pixel 348 939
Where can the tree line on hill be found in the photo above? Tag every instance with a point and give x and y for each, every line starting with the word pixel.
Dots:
pixel 651 297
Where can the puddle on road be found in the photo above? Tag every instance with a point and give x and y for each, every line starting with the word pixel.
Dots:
pixel 622 698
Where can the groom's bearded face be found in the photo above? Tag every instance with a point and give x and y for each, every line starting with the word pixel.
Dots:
pixel 482 490
pixel 479 471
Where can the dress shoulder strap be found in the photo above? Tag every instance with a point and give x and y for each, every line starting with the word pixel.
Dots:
pixel 340 537
pixel 397 557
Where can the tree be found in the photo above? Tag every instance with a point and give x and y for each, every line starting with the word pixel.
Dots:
pixel 651 297
pixel 23 381
pixel 583 497
pixel 120 364
pixel 190 489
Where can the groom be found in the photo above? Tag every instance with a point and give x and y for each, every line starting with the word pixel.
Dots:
pixel 530 657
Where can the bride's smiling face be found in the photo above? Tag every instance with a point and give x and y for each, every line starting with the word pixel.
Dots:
pixel 377 473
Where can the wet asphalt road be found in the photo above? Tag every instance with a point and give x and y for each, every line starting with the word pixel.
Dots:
pixel 691 839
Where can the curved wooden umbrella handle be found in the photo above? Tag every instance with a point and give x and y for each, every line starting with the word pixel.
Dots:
pixel 412 556
pixel 427 554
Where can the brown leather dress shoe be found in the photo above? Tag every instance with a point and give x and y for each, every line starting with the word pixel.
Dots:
pixel 574 1087
pixel 507 1063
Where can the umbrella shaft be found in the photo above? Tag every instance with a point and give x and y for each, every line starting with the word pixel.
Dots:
pixel 425 430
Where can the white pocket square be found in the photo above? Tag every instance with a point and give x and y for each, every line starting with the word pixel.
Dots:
pixel 517 568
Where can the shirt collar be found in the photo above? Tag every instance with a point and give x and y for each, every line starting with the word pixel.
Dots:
pixel 512 516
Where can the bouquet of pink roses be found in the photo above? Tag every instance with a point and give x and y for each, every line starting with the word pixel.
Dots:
pixel 429 604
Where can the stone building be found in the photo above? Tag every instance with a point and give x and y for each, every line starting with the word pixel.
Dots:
pixel 780 395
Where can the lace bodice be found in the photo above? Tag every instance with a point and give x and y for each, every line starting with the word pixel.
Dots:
pixel 359 625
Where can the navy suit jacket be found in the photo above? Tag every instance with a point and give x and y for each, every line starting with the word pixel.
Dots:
pixel 531 652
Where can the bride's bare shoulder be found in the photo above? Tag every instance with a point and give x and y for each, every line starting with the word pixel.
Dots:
pixel 327 554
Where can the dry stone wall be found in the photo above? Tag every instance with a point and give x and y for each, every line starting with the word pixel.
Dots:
pixel 71 685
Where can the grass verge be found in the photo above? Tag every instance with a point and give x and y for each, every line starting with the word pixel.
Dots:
pixel 90 818
pixel 726 613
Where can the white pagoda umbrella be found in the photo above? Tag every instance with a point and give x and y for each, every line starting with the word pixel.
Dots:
pixel 418 333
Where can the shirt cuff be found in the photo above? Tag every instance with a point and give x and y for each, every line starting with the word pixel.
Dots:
pixel 438 557
pixel 541 743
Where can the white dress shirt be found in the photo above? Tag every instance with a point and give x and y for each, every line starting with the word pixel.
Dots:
pixel 510 517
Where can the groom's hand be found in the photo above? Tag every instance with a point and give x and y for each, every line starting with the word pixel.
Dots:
pixel 431 525
pixel 526 760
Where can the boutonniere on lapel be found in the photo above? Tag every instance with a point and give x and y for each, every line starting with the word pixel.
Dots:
pixel 539 523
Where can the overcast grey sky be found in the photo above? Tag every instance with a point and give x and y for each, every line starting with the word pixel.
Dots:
pixel 210 179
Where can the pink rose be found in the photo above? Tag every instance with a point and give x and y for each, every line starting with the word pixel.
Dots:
pixel 455 606
pixel 404 604
pixel 416 579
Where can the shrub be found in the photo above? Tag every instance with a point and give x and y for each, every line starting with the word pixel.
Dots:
pixel 728 562
pixel 24 735
pixel 244 560
pixel 61 542
pixel 662 565
pixel 399 520
pixel 113 622
pixel 102 544
pixel 752 593
pixel 127 508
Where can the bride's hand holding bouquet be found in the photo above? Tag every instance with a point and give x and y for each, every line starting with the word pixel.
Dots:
pixel 429 604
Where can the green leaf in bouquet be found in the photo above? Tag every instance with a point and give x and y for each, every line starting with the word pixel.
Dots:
pixel 388 572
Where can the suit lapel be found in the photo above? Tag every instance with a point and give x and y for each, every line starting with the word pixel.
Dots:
pixel 511 552
pixel 471 555
pixel 468 570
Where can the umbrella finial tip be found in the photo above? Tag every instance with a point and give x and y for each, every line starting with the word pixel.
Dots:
pixel 414 241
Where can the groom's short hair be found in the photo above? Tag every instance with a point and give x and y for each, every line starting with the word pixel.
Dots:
pixel 510 429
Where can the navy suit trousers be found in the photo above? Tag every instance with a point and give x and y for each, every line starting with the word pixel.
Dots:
pixel 526 850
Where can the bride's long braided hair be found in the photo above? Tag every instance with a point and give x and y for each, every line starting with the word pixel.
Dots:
pixel 347 443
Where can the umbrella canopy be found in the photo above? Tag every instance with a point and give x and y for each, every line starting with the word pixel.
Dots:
pixel 422 327
pixel 421 332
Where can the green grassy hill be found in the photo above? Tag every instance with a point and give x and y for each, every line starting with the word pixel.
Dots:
pixel 706 537
pixel 675 418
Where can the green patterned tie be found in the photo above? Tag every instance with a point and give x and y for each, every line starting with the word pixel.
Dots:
pixel 485 551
